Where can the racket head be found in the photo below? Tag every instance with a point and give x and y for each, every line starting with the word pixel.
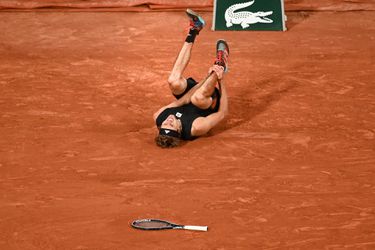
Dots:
pixel 154 224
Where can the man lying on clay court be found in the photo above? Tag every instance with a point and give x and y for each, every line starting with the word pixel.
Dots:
pixel 198 106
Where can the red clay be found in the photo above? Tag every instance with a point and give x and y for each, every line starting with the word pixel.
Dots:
pixel 291 168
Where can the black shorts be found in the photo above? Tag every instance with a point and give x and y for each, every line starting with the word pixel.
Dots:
pixel 191 83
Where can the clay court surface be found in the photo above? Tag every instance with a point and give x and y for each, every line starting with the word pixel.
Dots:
pixel 292 167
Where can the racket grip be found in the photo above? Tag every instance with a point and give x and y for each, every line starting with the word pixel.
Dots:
pixel 196 228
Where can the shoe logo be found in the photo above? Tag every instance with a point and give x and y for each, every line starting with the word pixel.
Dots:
pixel 245 18
pixel 178 114
pixel 167 131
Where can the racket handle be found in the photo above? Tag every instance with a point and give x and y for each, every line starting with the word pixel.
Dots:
pixel 196 228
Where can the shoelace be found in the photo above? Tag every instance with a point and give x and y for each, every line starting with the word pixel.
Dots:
pixel 221 57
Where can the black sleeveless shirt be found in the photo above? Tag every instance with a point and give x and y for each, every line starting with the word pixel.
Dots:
pixel 186 114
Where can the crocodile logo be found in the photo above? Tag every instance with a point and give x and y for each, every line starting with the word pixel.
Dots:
pixel 245 18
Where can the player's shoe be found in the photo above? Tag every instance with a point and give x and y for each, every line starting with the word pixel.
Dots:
pixel 196 21
pixel 222 54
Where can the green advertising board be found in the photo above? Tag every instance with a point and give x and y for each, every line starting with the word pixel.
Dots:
pixel 249 15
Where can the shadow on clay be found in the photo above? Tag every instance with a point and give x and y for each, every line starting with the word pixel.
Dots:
pixel 243 109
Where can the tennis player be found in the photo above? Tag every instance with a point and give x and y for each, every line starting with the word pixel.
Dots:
pixel 198 106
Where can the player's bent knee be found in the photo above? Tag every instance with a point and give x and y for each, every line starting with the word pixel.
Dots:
pixel 196 98
pixel 174 82
pixel 201 101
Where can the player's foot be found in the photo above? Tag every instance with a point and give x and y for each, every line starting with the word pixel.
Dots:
pixel 196 21
pixel 222 54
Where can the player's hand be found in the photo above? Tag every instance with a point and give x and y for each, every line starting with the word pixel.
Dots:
pixel 219 70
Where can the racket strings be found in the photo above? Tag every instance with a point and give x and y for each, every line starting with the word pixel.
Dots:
pixel 152 224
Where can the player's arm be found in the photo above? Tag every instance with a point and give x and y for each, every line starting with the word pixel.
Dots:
pixel 178 103
pixel 202 125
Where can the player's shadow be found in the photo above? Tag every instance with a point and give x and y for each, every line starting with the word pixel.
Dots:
pixel 295 18
pixel 244 108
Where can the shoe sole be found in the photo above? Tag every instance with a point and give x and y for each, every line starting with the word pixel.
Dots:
pixel 222 41
pixel 192 13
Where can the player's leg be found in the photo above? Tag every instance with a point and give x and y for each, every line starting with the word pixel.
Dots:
pixel 202 97
pixel 176 80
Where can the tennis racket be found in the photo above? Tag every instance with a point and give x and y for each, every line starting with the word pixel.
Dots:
pixel 154 224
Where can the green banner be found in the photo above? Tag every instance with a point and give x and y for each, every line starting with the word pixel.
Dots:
pixel 249 15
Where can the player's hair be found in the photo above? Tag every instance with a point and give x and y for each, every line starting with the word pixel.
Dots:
pixel 165 141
